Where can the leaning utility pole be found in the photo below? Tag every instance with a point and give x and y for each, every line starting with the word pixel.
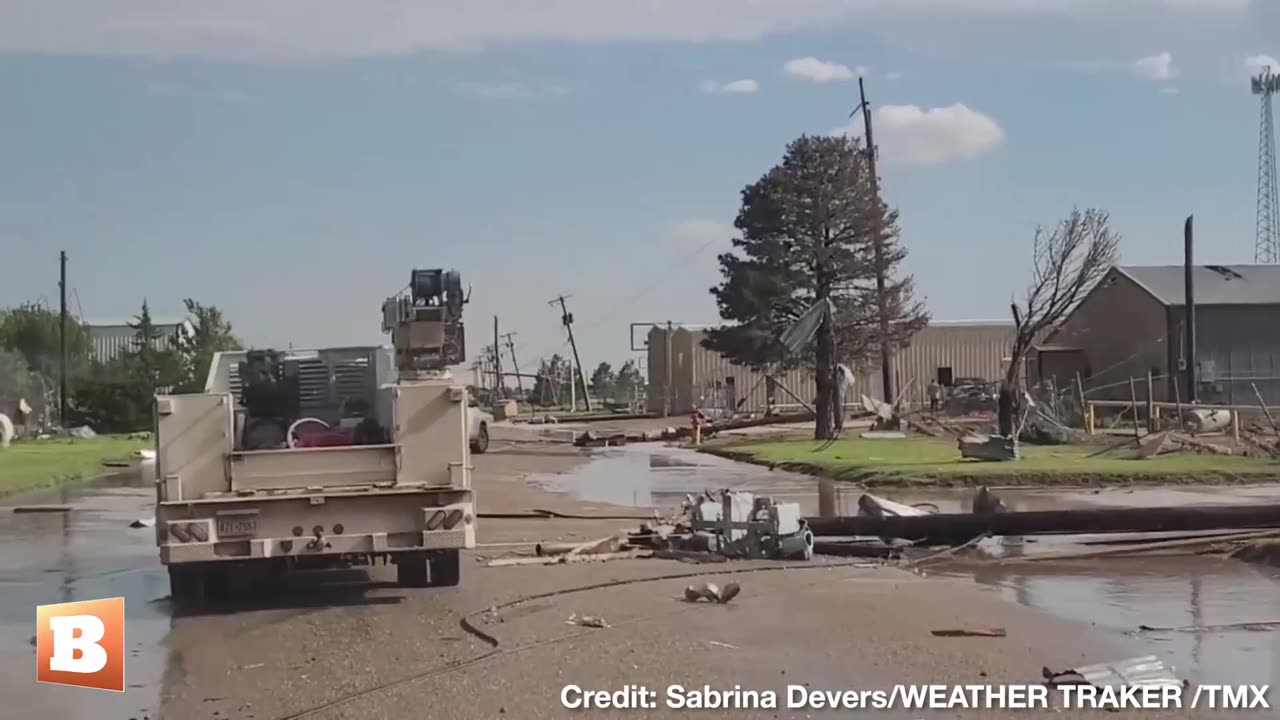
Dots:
pixel 62 340
pixel 567 318
pixel 515 364
pixel 882 309
pixel 497 361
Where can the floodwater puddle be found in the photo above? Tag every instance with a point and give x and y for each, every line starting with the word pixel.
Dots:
pixel 89 553
pixel 1114 595
pixel 650 475
pixel 1197 595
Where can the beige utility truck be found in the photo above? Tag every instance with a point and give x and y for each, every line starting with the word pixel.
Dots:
pixel 327 458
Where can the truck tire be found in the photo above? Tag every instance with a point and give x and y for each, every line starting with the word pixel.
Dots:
pixel 481 444
pixel 411 569
pixel 188 589
pixel 446 568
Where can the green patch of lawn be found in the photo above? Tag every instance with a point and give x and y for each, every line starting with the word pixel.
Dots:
pixel 33 464
pixel 894 462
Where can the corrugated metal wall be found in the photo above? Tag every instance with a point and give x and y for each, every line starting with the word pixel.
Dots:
pixel 1238 347
pixel 969 349
pixel 709 379
pixel 109 341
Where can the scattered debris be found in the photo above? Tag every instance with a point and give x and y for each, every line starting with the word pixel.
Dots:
pixel 711 592
pixel 591 621
pixel 884 435
pixel 1153 445
pixel 116 464
pixel 41 508
pixel 991 448
pixel 740 524
pixel 717 643
pixel 566 558
pixel 1247 626
pixel 993 632
pixel 146 454
pixel 143 523
pixel 84 432
pixel 6 431
pixel 1148 670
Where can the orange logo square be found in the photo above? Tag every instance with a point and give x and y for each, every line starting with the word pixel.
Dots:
pixel 81 643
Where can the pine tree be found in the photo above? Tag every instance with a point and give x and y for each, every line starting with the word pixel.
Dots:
pixel 808 230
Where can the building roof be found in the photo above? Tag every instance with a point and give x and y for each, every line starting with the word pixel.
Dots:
pixel 1214 284
pixel 117 322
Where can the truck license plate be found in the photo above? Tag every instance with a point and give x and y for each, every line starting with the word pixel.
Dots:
pixel 230 527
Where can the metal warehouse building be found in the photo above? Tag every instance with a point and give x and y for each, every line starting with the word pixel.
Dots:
pixel 943 351
pixel 1134 320
pixel 109 339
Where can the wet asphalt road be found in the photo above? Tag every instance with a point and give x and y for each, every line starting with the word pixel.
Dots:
pixel 87 554
pixel 353 645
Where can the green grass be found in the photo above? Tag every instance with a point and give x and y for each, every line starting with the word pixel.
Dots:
pixel 938 461
pixel 34 464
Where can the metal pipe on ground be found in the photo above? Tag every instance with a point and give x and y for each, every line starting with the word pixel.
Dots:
pixel 955 528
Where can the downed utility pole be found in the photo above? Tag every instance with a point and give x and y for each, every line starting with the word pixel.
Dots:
pixel 515 364
pixel 882 309
pixel 567 318
pixel 952 528
pixel 497 362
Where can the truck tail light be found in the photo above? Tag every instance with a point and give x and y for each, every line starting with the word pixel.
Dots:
pixel 433 523
pixel 453 517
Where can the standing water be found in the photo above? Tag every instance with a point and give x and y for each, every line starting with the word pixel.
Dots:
pixel 88 553
pixel 1196 595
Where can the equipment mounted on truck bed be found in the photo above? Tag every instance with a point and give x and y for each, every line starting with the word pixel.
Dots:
pixel 323 458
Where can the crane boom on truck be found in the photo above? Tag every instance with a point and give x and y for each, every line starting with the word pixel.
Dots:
pixel 324 458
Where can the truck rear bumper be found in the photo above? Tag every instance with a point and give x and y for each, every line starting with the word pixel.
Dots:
pixel 201 532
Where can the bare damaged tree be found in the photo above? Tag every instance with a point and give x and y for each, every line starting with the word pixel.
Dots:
pixel 1069 260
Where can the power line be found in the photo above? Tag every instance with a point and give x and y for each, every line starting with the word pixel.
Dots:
pixel 627 303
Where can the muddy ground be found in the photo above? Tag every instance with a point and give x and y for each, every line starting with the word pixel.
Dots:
pixel 353 645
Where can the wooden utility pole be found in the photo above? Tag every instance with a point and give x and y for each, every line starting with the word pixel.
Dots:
pixel 666 386
pixel 567 318
pixel 882 310
pixel 62 339
pixel 515 364
pixel 497 361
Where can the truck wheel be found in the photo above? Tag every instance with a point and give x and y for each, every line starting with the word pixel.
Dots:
pixel 446 568
pixel 187 587
pixel 481 443
pixel 411 569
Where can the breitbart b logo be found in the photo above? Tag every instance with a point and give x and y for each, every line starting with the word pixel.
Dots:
pixel 81 643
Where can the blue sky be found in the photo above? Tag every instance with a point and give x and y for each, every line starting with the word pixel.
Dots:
pixel 290 161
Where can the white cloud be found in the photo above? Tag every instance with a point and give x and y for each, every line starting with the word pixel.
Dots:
pixel 912 135
pixel 737 87
pixel 310 29
pixel 510 91
pixel 702 232
pixel 1155 67
pixel 1255 64
pixel 821 71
